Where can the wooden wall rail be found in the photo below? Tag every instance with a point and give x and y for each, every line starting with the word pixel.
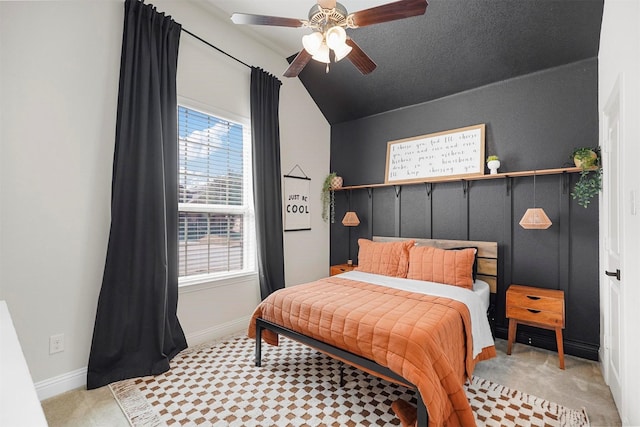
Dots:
pixel 470 178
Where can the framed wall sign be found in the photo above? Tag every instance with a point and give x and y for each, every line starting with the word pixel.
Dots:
pixel 296 203
pixel 453 153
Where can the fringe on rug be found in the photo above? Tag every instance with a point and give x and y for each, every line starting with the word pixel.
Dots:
pixel 566 417
pixel 131 401
pixel 575 418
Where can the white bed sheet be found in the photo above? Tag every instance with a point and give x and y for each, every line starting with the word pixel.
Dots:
pixel 482 289
pixel 480 329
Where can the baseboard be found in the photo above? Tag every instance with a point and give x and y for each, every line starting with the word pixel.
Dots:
pixel 61 383
pixel 548 342
pixel 76 379
pixel 219 331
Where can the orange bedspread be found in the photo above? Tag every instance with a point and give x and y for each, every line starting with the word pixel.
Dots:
pixel 425 339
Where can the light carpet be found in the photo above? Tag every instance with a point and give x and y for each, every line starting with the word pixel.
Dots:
pixel 218 385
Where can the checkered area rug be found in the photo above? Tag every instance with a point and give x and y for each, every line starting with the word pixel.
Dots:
pixel 218 385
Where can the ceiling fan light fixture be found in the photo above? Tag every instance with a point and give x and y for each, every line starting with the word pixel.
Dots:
pixel 322 55
pixel 312 42
pixel 336 37
pixel 342 52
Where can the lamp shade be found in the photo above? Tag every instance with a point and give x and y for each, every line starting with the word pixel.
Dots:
pixel 342 51
pixel 336 37
pixel 535 219
pixel 350 219
pixel 312 42
pixel 322 55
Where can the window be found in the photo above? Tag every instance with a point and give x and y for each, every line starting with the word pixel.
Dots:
pixel 215 199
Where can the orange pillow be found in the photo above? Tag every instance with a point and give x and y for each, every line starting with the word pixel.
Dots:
pixel 387 258
pixel 451 267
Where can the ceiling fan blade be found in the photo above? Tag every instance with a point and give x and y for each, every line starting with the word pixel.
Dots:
pixel 389 12
pixel 246 18
pixel 327 4
pixel 360 59
pixel 298 64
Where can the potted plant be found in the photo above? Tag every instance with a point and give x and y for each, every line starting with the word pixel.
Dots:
pixel 590 182
pixel 493 163
pixel 331 182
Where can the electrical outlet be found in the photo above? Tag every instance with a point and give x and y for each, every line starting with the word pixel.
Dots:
pixel 56 343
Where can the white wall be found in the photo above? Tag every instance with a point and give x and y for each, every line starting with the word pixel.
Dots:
pixel 59 65
pixel 619 57
pixel 59 91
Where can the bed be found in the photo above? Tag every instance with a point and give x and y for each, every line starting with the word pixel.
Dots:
pixel 414 312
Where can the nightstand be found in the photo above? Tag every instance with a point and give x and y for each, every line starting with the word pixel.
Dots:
pixel 341 268
pixel 541 308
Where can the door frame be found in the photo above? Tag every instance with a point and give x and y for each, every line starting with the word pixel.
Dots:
pixel 615 104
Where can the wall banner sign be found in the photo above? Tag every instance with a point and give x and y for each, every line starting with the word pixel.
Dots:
pixel 456 153
pixel 297 214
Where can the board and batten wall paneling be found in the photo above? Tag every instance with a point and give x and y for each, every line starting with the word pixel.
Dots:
pixel 449 211
pixel 533 122
pixel 415 198
pixel 384 214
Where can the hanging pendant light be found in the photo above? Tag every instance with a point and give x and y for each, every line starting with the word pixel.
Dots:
pixel 535 218
pixel 350 219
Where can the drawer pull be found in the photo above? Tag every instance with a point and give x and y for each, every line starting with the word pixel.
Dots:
pixel 533 311
pixel 533 297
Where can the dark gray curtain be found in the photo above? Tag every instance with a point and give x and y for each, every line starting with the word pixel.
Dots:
pixel 265 127
pixel 136 332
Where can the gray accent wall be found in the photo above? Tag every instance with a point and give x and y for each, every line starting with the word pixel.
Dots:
pixel 532 122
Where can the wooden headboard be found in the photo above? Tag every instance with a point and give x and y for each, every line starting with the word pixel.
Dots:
pixel 487 254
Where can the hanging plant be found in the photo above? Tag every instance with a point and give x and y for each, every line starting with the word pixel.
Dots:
pixel 331 182
pixel 590 182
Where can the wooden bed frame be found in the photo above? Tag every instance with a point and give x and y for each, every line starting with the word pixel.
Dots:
pixel 487 271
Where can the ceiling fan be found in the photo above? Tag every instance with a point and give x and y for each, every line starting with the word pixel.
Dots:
pixel 328 20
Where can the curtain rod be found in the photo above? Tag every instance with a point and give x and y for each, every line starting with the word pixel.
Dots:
pixel 216 48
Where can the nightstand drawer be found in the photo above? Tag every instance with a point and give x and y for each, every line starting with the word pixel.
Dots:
pixel 535 302
pixel 535 316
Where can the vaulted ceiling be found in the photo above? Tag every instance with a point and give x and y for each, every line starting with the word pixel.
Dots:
pixel 457 45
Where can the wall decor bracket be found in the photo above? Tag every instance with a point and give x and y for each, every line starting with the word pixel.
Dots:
pixel 465 188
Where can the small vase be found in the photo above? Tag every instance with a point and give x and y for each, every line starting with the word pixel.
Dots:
pixel 493 166
pixel 336 183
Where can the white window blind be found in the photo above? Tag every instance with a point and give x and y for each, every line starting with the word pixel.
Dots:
pixel 215 231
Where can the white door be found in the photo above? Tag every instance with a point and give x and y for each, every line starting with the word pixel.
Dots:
pixel 613 294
